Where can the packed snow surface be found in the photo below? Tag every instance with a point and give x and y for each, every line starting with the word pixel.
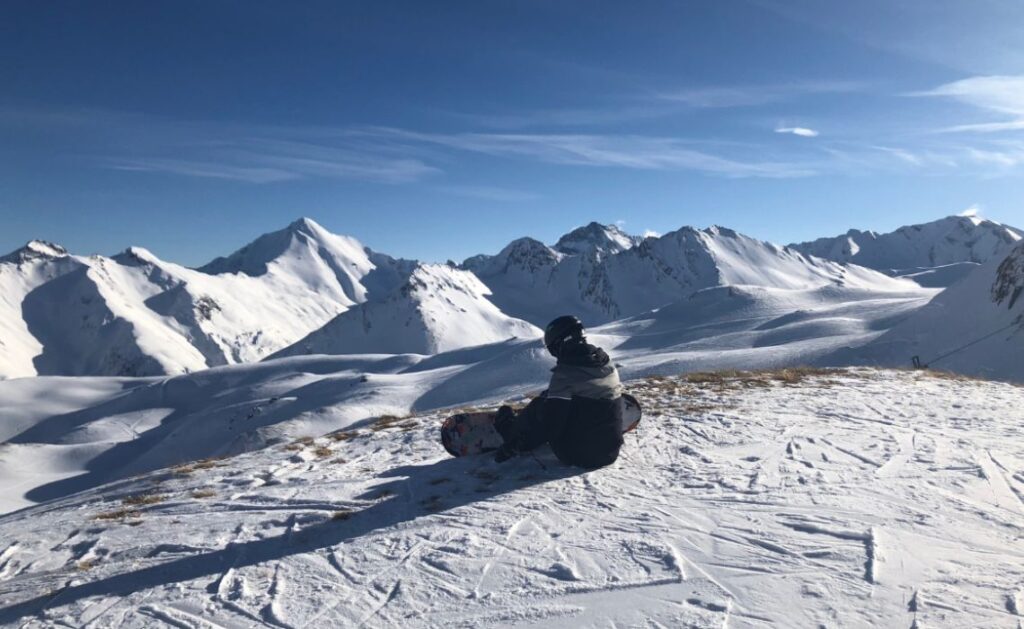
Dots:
pixel 857 498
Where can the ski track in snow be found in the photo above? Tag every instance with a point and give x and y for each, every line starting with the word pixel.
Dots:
pixel 856 499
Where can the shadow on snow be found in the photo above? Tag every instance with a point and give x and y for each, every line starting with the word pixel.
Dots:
pixel 475 479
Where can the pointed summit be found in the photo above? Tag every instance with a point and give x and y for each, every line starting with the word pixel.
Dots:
pixel 306 225
pixel 303 234
pixel 35 250
pixel 598 238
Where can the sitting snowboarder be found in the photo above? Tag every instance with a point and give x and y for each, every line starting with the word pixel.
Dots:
pixel 580 414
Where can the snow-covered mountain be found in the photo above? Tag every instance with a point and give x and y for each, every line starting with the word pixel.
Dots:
pixel 437 309
pixel 532 281
pixel 596 238
pixel 134 314
pixel 938 253
pixel 980 320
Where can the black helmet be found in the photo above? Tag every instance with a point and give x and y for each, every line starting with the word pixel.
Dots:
pixel 560 330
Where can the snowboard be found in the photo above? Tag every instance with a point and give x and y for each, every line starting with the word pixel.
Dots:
pixel 473 433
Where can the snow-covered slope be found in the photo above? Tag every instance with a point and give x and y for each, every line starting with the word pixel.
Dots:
pixel 59 435
pixel 21 273
pixel 956 243
pixel 134 314
pixel 984 311
pixel 437 309
pixel 844 499
pixel 534 282
pixel 746 327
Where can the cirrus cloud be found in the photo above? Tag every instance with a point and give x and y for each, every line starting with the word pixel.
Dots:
pixel 803 132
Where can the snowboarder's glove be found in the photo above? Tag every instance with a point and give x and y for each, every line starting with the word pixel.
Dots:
pixel 505 452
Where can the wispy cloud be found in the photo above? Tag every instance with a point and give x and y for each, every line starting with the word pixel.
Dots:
pixel 246 153
pixel 752 95
pixel 990 159
pixel 208 170
pixel 803 132
pixel 650 104
pixel 269 161
pixel 971 212
pixel 622 151
pixel 998 94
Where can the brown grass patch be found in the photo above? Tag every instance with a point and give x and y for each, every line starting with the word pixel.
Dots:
pixel 84 565
pixel 118 514
pixel 204 493
pixel 343 435
pixel 323 452
pixel 386 421
pixel 187 468
pixel 732 378
pixel 139 500
pixel 949 375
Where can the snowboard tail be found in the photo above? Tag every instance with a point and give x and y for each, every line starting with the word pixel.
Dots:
pixel 474 433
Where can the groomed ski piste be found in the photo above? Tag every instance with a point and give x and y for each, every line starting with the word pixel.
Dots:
pixel 790 498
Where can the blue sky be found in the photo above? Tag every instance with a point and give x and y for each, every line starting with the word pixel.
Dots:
pixel 440 130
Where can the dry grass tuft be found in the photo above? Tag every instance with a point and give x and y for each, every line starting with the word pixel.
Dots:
pixel 139 500
pixel 119 514
pixel 204 493
pixel 84 565
pixel 323 452
pixel 187 468
pixel 386 421
pixel 341 515
pixel 343 435
pixel 948 375
pixel 732 378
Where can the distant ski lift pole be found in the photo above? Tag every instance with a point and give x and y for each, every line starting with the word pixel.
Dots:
pixel 917 363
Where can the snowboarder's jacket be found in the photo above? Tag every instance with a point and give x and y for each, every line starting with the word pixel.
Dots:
pixel 580 414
